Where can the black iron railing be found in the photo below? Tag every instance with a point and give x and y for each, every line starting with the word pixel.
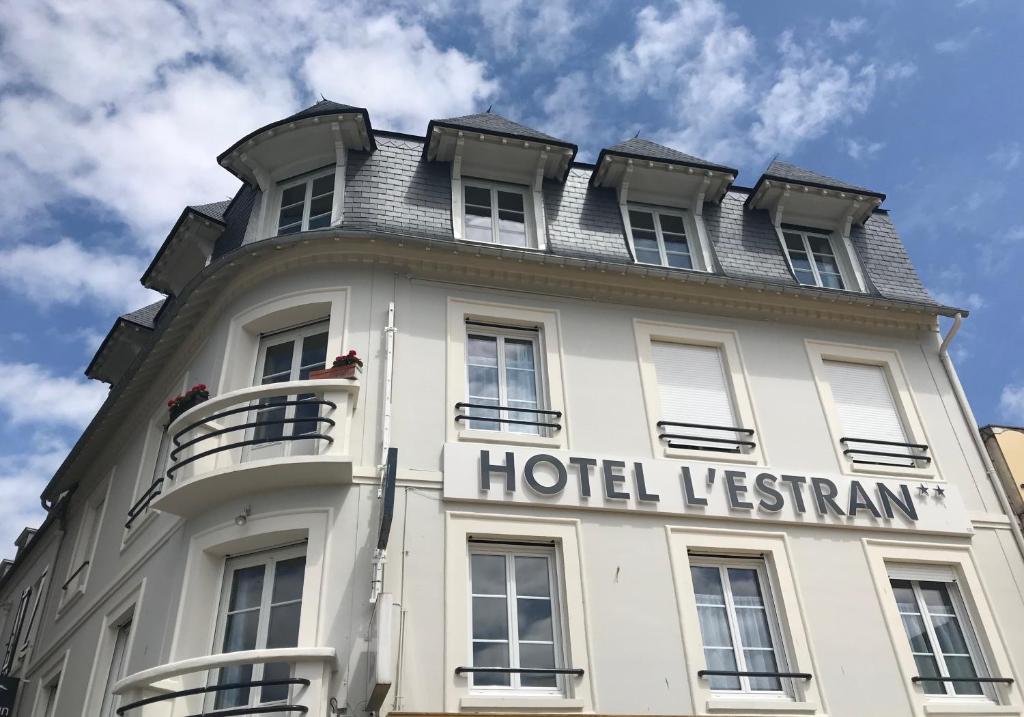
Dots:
pixel 755 673
pixel 509 421
pixel 258 423
pixel 977 680
pixel 912 454
pixel 75 574
pixel 139 507
pixel 229 712
pixel 698 441
pixel 575 671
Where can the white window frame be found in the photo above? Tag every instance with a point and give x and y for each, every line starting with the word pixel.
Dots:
pixel 727 343
pixel 772 549
pixel 565 535
pixel 927 559
pixel 268 558
pixel 500 333
pixel 510 552
pixel 693 242
pixel 549 369
pixel 974 652
pixel 722 563
pixel 307 180
pixel 494 187
pixel 117 665
pixel 83 554
pixel 906 405
pixel 51 686
pixel 12 648
pixel 804 233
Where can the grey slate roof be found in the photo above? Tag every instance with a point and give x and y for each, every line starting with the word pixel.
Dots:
pixel 213 210
pixel 393 191
pixel 146 316
pixel 790 172
pixel 646 149
pixel 492 123
pixel 324 107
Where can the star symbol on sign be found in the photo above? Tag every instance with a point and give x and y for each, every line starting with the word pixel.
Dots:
pixel 922 489
pixel 940 491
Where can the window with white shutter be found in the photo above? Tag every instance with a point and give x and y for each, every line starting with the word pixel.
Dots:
pixel 869 418
pixel 697 407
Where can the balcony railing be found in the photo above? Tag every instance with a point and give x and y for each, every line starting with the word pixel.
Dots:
pixel 495 417
pixel 250 431
pixel 885 453
pixel 706 437
pixel 183 686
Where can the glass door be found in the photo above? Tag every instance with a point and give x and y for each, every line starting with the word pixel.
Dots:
pixel 260 608
pixel 281 420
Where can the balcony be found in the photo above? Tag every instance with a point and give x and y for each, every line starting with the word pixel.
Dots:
pixel 280 435
pixel 190 686
pixel 705 437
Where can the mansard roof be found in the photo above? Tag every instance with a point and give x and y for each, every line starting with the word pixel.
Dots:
pixel 146 316
pixel 787 172
pixel 492 123
pixel 640 148
pixel 213 210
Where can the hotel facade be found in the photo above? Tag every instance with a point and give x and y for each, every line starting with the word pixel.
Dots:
pixel 628 438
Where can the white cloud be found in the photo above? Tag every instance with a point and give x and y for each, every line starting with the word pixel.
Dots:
pixel 1007 156
pixel 862 149
pixel 899 70
pixel 22 478
pixel 67 273
pixel 32 395
pixel 530 31
pixel 567 108
pixel 957 43
pixel 971 301
pixel 1011 403
pixel 843 30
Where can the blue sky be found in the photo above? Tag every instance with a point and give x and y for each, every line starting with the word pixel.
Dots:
pixel 113 114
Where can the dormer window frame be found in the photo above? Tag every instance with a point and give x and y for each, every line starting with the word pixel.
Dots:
pixel 306 179
pixel 850 270
pixel 529 211
pixel 805 235
pixel 692 234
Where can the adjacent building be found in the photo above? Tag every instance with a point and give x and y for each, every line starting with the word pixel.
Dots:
pixel 1005 446
pixel 627 438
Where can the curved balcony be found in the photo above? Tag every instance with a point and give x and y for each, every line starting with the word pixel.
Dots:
pixel 256 439
pixel 190 686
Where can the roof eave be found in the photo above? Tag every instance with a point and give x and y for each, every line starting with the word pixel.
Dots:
pixel 428 140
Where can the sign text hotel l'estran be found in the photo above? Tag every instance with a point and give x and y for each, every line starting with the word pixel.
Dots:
pixel 532 476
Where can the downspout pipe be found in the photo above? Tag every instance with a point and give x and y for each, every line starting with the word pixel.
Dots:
pixel 975 431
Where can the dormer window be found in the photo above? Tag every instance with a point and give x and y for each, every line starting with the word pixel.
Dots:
pixel 813 259
pixel 306 203
pixel 659 237
pixel 496 213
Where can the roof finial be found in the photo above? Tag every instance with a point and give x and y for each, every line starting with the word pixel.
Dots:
pixel 322 98
pixel 637 134
pixel 489 109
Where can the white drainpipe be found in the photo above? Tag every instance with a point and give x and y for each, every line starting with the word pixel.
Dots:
pixel 380 556
pixel 972 424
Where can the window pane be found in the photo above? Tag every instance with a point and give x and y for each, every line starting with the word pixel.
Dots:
pixel 483 384
pixel 753 624
pixel 288 576
pixel 927 667
pixel 714 626
pixel 283 630
pixel 490 618
pixel 805 277
pixel 293 195
pixel 246 588
pixel 640 220
pixel 512 231
pixel 793 241
pixel 490 654
pixel 240 631
pixel 820 245
pixel 290 217
pixel 762 661
pixel 488 574
pixel 831 281
pixel 914 626
pixel 648 256
pixel 510 200
pixel 936 597
pixel 278 359
pixel 800 261
pixel 532 576
pixel 483 350
pixel 236 697
pixel 478 223
pixel 963 667
pixel 672 224
pixel 534 618
pixel 707 585
pixel 532 655
pixel 479 197
pixel 905 600
pixel 323 185
pixel 950 636
pixel 721 660
pixel 314 354
pixel 746 588
pixel 275 671
pixel 826 264
pixel 321 205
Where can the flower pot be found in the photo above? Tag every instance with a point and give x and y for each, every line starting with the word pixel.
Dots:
pixel 334 372
pixel 189 401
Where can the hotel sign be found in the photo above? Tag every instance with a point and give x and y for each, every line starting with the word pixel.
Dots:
pixel 8 693
pixel 560 479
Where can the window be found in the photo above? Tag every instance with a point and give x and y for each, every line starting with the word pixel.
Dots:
pixel 659 237
pixel 814 262
pixel 85 545
pixel 867 413
pixel 502 370
pixel 514 620
pixel 260 609
pixel 737 624
pixel 942 641
pixel 287 356
pixel 118 663
pixel 16 629
pixel 47 706
pixel 496 214
pixel 306 204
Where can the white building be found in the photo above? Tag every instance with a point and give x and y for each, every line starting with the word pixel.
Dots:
pixel 629 439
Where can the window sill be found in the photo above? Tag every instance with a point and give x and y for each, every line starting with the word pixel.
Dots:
pixel 524 703
pixel 499 245
pixel 760 705
pixel 519 439
pixel 894 471
pixel 750 459
pixel 138 527
pixel 969 709
pixel 69 600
